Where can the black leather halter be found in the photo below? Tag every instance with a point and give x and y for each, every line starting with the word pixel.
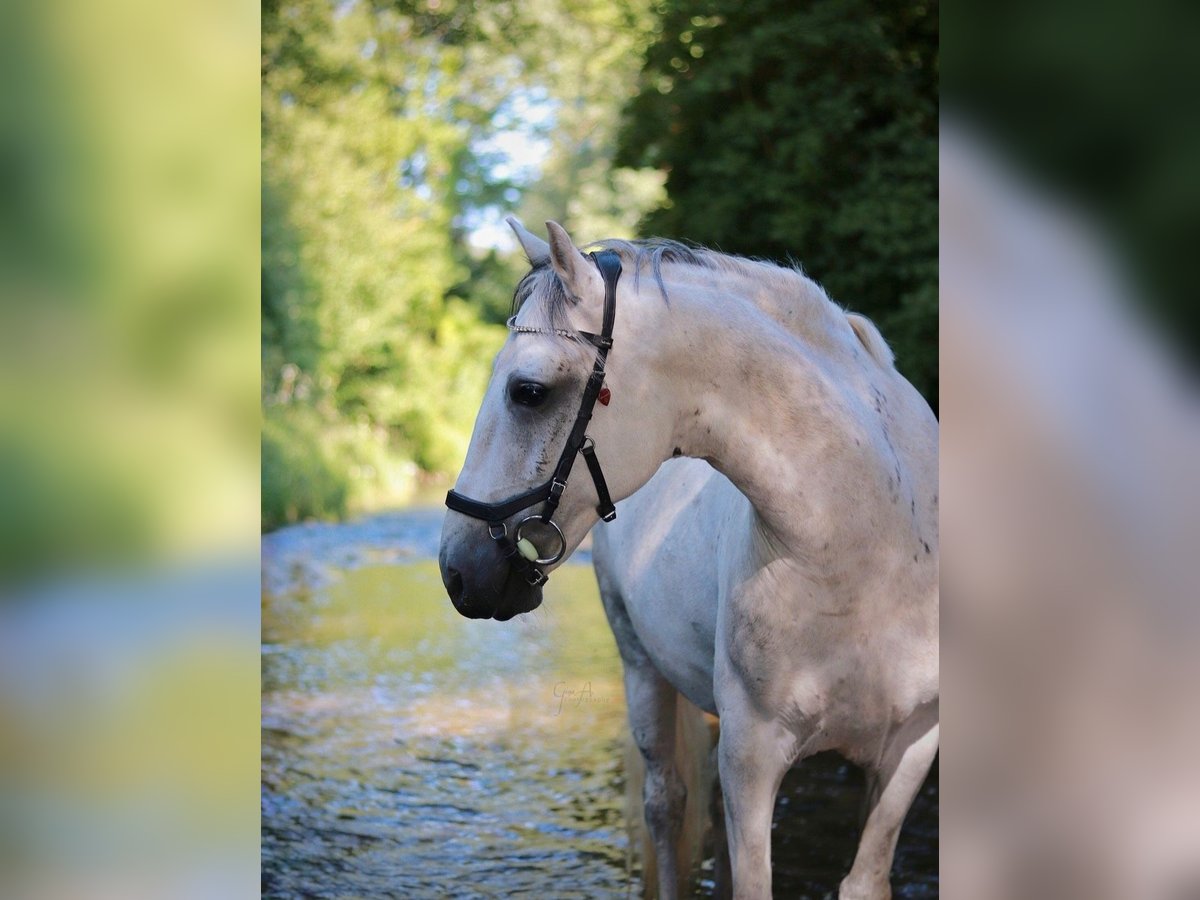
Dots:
pixel 578 442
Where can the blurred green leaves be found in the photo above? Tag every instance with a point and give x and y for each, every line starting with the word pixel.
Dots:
pixel 128 213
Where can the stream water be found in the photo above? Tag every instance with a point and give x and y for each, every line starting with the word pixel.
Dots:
pixel 409 752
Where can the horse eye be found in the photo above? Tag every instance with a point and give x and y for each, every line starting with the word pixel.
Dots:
pixel 528 393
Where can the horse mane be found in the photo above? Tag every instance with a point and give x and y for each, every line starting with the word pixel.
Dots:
pixel 787 287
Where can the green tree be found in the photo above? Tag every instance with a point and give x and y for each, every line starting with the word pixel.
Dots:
pixel 368 118
pixel 804 131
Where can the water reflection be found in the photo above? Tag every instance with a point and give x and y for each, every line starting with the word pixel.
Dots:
pixel 407 750
pixel 410 752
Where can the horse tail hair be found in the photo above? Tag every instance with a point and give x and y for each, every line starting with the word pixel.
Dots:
pixel 870 338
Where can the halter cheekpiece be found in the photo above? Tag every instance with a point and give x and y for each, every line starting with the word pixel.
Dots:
pixel 520 552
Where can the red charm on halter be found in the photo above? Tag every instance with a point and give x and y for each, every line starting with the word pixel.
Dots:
pixel 604 396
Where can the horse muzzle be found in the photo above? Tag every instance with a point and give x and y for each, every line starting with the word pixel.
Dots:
pixel 482 585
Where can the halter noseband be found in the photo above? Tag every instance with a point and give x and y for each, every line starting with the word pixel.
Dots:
pixel 578 442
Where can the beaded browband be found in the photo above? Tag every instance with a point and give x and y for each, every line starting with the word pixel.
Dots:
pixel 529 329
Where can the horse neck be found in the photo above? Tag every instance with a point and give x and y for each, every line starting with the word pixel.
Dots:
pixel 761 393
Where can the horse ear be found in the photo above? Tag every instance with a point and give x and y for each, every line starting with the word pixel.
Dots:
pixel 536 250
pixel 565 256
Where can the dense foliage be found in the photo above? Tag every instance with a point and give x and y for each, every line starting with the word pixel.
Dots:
pixel 806 132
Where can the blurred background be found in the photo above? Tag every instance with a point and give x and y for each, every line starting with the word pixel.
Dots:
pixel 1069 201
pixel 129 434
pixel 397 136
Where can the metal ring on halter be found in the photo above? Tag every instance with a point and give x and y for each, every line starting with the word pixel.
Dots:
pixel 492 531
pixel 562 541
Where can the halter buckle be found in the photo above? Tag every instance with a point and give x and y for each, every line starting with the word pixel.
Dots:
pixel 557 487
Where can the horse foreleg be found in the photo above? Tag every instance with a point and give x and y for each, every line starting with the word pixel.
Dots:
pixel 753 756
pixel 892 788
pixel 651 700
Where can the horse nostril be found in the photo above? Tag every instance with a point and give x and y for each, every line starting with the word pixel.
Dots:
pixel 454 583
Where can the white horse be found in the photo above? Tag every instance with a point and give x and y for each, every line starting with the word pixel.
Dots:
pixel 785 578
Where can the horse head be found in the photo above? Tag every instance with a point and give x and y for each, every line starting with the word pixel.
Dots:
pixel 573 378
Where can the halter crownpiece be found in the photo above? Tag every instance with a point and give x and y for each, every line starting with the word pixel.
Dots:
pixel 521 553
